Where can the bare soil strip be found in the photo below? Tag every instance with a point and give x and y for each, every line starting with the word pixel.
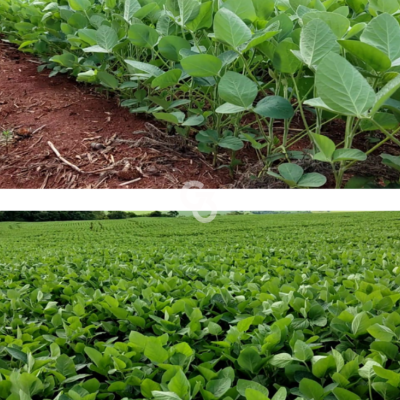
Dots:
pixel 96 140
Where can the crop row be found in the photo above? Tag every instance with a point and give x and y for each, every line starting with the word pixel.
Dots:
pixel 260 307
pixel 234 72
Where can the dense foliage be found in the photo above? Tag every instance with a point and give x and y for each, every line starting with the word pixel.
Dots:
pixel 245 308
pixel 42 216
pixel 229 71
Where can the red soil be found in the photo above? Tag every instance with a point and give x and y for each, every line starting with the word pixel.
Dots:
pixel 72 116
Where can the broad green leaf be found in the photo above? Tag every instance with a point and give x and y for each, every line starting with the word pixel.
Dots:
pixel 168 79
pixel 79 5
pixel 316 41
pixel 360 324
pixel 275 107
pixel 243 385
pixel 343 394
pixel 312 180
pixel 301 350
pixel 218 387
pixel 293 173
pixel 252 394
pixel 202 65
pixel 130 8
pixel 147 387
pixel 342 88
pixel 107 38
pixel 143 36
pixel 383 32
pixel 65 366
pixel 311 389
pixel 371 55
pixel 230 29
pixel 242 8
pixel 385 94
pixel 155 352
pixel 250 360
pixel 237 89
pixel 179 384
pixel 171 46
pixel 349 155
pixel 338 23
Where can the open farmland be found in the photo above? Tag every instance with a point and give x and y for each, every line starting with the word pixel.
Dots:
pixel 304 92
pixel 245 308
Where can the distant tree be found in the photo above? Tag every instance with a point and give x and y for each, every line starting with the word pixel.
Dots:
pixel 117 215
pixel 43 216
pixel 173 214
pixel 156 214
pixel 130 214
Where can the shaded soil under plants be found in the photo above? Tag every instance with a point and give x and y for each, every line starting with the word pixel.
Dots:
pixel 112 147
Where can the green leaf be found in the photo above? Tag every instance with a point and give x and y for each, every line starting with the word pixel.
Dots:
pixel 302 351
pixel 170 47
pixel 237 89
pixel 232 143
pixel 281 360
pixel 107 38
pixel 316 41
pixel 155 352
pixel 326 146
pixel 349 155
pixel 204 18
pixel 143 36
pixel 367 371
pixel 17 354
pixel 324 365
pixel 343 394
pixel 250 360
pixel 202 65
pixel 230 29
pixel 243 385
pixel 336 22
pixel 311 389
pixel 179 384
pixel 391 161
pixel 371 55
pixel 244 324
pixel 381 332
pixel 291 172
pixel 252 394
pixel 94 355
pixel 218 387
pixel 65 366
pixel 79 5
pixel 281 394
pixel 360 324
pixel 312 180
pixel 107 79
pixel 385 94
pixel 168 79
pixel 275 107
pixel 165 395
pixel 147 387
pixel 383 32
pixel 342 88
pixel 130 8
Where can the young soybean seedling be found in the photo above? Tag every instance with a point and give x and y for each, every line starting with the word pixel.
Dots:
pixel 7 135
pixel 293 175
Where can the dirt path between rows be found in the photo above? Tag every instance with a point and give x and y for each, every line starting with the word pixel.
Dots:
pixel 89 131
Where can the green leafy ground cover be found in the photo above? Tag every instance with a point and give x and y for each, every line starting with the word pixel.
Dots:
pixel 245 308
pixel 228 71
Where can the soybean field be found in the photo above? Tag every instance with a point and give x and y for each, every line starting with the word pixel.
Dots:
pixel 250 307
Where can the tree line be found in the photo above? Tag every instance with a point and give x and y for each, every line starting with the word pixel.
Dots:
pixel 43 216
